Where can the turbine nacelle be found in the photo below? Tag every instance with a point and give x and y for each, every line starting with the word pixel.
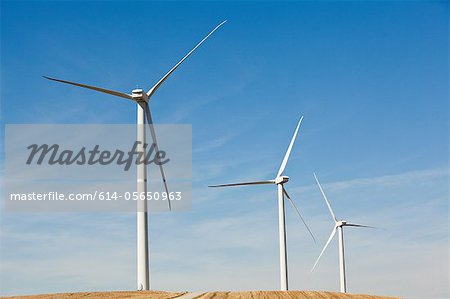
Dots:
pixel 139 95
pixel 281 179
pixel 341 223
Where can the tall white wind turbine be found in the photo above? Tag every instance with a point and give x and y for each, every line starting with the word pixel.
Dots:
pixel 280 180
pixel 339 227
pixel 142 100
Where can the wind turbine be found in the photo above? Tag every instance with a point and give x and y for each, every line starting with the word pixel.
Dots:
pixel 280 180
pixel 142 100
pixel 338 226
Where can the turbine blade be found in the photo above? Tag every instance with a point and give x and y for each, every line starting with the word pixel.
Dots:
pixel 325 197
pixel 288 152
pixel 244 184
pixel 111 92
pixel 325 247
pixel 298 212
pixel 161 81
pixel 359 225
pixel 152 131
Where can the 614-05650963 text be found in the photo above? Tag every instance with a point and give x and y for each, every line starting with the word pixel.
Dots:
pixel 97 195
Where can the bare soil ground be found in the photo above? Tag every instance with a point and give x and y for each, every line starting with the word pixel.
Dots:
pixel 104 295
pixel 286 295
pixel 207 295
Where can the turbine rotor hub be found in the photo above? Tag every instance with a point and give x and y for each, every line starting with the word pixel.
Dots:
pixel 281 179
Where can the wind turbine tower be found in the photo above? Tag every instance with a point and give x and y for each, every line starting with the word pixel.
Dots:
pixel 339 227
pixel 279 181
pixel 142 99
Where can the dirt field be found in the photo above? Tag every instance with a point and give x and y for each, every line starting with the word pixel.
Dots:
pixel 104 295
pixel 209 295
pixel 286 295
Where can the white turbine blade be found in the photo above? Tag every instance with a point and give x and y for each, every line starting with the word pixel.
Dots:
pixel 288 152
pixel 161 81
pixel 245 183
pixel 325 247
pixel 152 131
pixel 298 212
pixel 112 92
pixel 325 197
pixel 359 225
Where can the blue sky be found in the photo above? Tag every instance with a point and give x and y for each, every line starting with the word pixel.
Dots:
pixel 371 79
